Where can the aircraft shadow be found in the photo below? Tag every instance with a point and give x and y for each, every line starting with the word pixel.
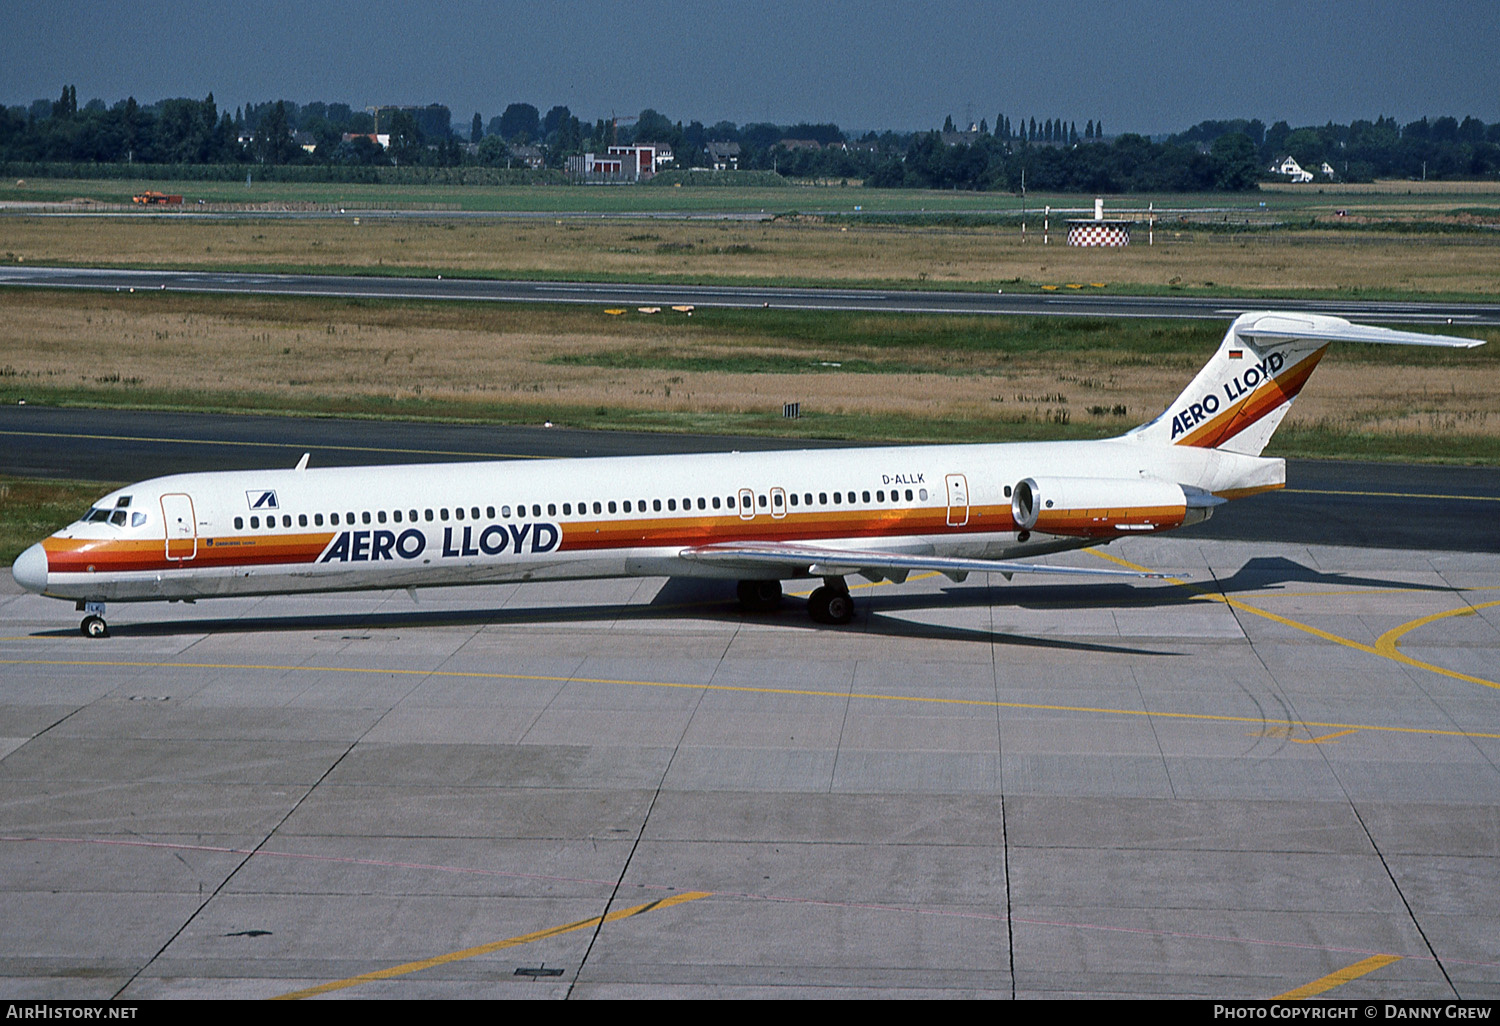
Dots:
pixel 878 609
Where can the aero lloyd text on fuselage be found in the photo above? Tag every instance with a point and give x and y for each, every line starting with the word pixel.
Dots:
pixel 470 540
pixel 1235 389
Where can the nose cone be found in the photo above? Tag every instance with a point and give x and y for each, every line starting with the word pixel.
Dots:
pixel 30 569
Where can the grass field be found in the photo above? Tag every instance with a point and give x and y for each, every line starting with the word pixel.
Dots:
pixel 1271 199
pixel 866 376
pixel 30 510
pixel 787 251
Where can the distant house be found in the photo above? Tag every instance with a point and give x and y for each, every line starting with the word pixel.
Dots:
pixel 724 156
pixel 529 155
pixel 800 144
pixel 1289 169
pixel 306 140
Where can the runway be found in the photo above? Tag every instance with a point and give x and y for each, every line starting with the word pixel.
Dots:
pixel 1275 774
pixel 866 300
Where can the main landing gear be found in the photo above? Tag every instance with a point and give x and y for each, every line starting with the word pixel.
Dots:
pixel 93 625
pixel 829 604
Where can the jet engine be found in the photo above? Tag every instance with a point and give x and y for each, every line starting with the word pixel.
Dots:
pixel 1088 507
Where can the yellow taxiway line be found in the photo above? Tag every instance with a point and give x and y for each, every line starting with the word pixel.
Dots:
pixel 1326 983
pixel 485 949
pixel 1385 645
pixel 984 703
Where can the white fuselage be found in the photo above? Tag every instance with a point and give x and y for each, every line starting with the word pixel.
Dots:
pixel 259 532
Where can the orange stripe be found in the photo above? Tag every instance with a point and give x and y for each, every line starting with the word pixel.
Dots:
pixel 1268 397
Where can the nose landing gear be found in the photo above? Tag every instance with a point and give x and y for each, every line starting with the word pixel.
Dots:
pixel 93 625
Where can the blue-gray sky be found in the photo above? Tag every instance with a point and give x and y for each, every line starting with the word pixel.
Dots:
pixel 1139 66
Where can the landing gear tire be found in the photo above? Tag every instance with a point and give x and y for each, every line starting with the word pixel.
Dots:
pixel 759 596
pixel 830 605
pixel 94 627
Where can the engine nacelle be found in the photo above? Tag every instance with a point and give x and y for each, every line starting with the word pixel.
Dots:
pixel 1087 507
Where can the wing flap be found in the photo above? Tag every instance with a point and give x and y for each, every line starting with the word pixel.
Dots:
pixel 793 560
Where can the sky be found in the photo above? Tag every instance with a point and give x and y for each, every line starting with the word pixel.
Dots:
pixel 1149 67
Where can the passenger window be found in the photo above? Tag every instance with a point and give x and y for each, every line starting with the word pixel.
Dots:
pixel 536 509
pixel 458 513
pixel 656 505
pixel 489 511
pixel 775 499
pixel 396 515
pixel 301 519
pixel 598 508
pixel 745 501
pixel 837 498
pixel 627 506
pixel 254 523
pixel 443 513
pixel 923 494
pixel 380 516
pixel 701 503
pixel 880 495
pixel 716 502
pixel 318 519
pixel 908 495
pixel 794 498
pixel 474 512
pixel 807 499
pixel 552 509
pixel 567 509
pixel 348 518
pixel 672 505
pixel 851 496
pixel 239 523
pixel 823 498
pixel 286 520
pixel 412 515
pixel 505 512
pixel 762 500
pixel 611 505
pixel 365 516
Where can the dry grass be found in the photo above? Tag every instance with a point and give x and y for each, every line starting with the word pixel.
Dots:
pixel 296 353
pixel 787 250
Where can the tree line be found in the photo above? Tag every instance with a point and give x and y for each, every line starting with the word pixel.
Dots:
pixel 1051 154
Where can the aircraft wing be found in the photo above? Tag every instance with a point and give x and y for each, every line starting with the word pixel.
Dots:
pixel 788 559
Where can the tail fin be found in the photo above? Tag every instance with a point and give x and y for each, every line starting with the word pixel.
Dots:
pixel 1239 398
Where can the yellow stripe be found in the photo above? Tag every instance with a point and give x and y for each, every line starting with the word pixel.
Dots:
pixel 1338 979
pixel 1392 495
pixel 485 949
pixel 842 696
pixel 1384 646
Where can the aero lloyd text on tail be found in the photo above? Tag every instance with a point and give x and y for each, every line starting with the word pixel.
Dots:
pixel 755 518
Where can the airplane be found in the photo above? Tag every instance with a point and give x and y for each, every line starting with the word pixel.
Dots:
pixel 760 518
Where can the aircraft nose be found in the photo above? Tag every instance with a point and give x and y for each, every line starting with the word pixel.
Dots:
pixel 30 569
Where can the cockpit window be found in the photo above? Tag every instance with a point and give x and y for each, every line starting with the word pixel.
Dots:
pixel 117 518
pixel 97 516
pixel 137 519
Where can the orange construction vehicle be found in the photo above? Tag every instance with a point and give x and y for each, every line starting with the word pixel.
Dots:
pixel 150 198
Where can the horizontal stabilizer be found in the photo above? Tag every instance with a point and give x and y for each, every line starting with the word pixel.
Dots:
pixel 1336 329
pixel 792 560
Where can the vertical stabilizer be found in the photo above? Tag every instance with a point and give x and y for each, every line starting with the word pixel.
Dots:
pixel 1237 401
